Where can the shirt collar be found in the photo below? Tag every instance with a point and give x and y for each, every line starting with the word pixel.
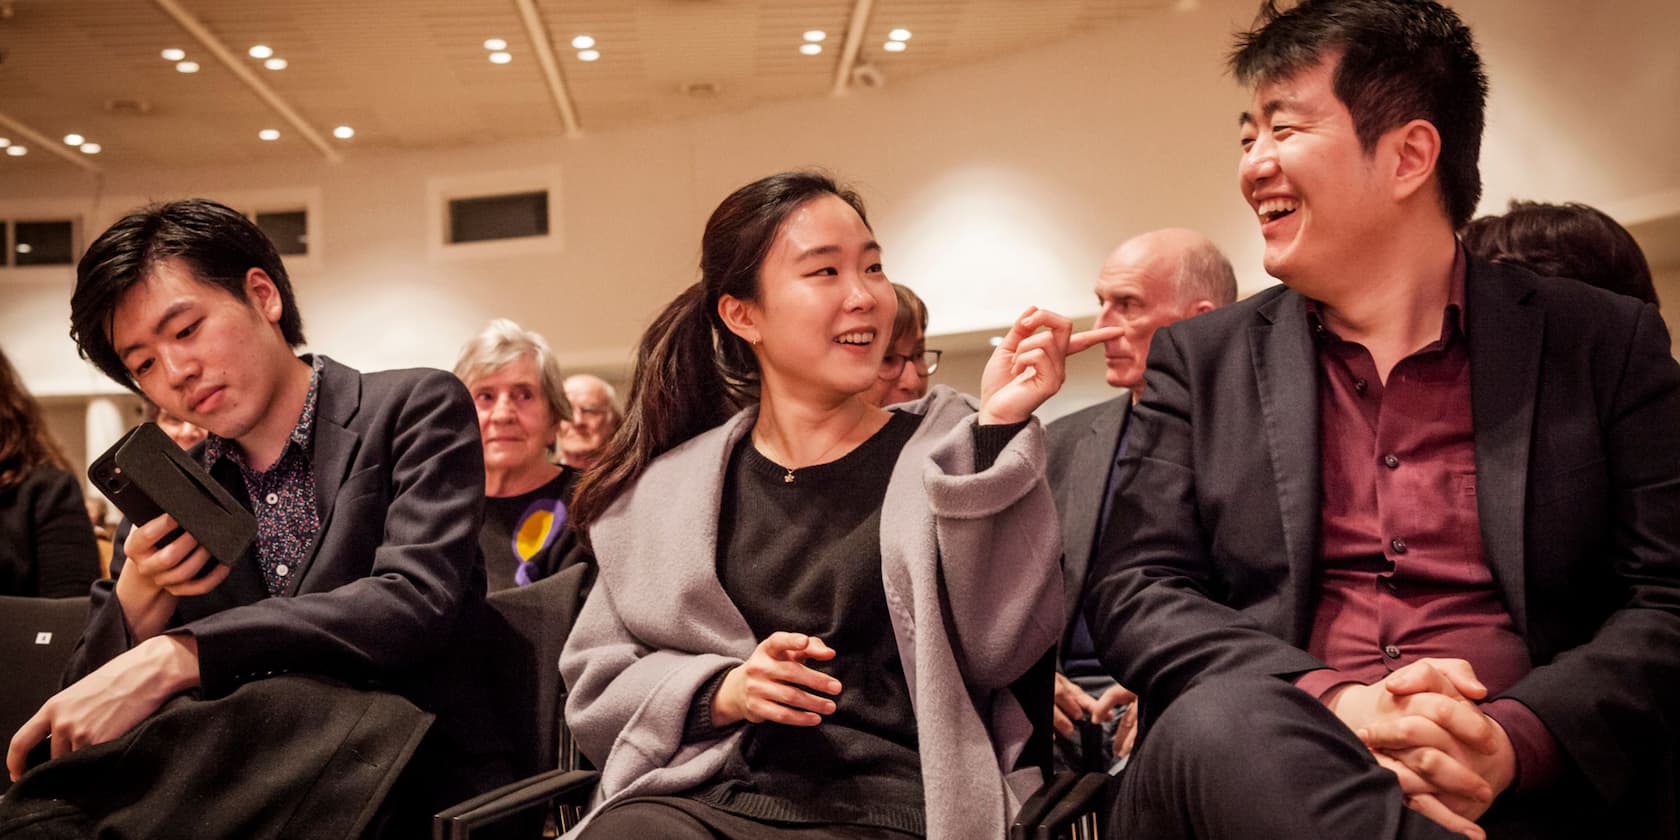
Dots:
pixel 216 447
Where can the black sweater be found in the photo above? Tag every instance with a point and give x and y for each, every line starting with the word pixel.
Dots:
pixel 46 539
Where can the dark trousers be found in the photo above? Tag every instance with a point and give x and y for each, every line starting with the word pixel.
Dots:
pixel 1254 757
pixel 680 818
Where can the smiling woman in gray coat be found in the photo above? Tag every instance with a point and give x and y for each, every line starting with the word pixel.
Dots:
pixel 808 613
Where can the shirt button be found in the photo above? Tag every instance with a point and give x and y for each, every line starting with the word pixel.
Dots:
pixel 282 570
pixel 272 498
pixel 1399 545
pixel 1390 461
pixel 1359 386
pixel 1391 652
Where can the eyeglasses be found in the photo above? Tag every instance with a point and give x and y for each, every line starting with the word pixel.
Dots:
pixel 926 363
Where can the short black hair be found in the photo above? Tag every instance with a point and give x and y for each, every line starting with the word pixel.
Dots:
pixel 1401 60
pixel 1564 240
pixel 216 242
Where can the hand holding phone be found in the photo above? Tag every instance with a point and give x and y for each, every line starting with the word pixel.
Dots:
pixel 146 476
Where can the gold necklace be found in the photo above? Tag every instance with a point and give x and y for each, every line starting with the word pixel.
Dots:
pixel 788 477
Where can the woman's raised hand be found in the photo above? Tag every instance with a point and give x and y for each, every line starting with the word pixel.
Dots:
pixel 775 685
pixel 1030 365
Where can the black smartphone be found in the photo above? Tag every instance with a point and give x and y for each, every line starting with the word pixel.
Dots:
pixel 145 474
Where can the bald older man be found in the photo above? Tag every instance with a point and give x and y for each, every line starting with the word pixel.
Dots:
pixel 1148 282
pixel 595 417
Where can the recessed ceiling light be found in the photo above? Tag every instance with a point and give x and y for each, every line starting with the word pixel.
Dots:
pixel 92 148
pixel 893 46
pixel 25 248
pixel 495 44
pixel 269 134
pixel 17 151
pixel 815 35
pixel 899 35
pixel 173 54
pixel 275 64
pixel 260 51
pixel 74 139
pixel 588 55
pixel 344 132
pixel 810 49
pixel 583 42
pixel 997 341
pixel 5 141
pixel 187 66
pixel 500 58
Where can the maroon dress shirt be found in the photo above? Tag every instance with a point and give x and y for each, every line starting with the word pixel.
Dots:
pixel 1401 575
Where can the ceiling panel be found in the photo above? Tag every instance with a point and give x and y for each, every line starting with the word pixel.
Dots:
pixel 414 74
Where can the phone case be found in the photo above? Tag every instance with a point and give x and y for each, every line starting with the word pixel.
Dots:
pixel 145 474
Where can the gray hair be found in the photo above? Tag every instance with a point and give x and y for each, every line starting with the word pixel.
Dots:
pixel 504 342
pixel 1205 274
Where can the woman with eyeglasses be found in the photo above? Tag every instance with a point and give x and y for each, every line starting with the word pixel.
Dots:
pixel 907 364
pixel 809 609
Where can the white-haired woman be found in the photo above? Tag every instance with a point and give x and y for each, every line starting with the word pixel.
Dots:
pixel 517 387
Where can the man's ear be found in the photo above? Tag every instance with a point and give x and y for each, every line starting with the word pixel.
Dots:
pixel 741 317
pixel 1197 308
pixel 1417 148
pixel 264 295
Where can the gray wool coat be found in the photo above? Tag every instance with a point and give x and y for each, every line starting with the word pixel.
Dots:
pixel 970 566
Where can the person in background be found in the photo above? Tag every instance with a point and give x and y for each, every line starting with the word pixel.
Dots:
pixel 907 364
pixel 592 422
pixel 516 386
pixel 1149 281
pixel 786 570
pixel 46 542
pixel 185 434
pixel 1564 240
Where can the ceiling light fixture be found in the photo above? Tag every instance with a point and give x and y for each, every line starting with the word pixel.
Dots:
pixel 811 49
pixel 92 148
pixel 583 42
pixel 25 248
pixel 17 151
pixel 344 132
pixel 815 35
pixel 260 51
pixel 899 35
pixel 495 44
pixel 276 64
pixel 74 139
pixel 5 141
pixel 187 66
pixel 173 54
pixel 589 55
pixel 500 58
pixel 893 46
pixel 269 134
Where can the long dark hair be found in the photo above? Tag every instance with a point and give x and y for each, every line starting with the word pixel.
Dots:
pixel 24 443
pixel 692 373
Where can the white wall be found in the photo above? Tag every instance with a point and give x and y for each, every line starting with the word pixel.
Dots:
pixel 991 186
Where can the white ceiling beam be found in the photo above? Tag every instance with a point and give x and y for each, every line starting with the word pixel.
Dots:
pixel 852 46
pixel 544 50
pixel 244 73
pixel 43 141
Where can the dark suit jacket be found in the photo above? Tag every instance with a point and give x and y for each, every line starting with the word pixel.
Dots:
pixel 1208 567
pixel 1080 451
pixel 399 479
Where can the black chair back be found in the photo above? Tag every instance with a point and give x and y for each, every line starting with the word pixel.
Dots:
pixel 37 636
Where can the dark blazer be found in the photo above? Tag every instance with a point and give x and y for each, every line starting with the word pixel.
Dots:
pixel 46 540
pixel 399 479
pixel 1209 563
pixel 1080 450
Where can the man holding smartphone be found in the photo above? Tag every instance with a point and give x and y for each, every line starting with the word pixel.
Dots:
pixel 367 490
